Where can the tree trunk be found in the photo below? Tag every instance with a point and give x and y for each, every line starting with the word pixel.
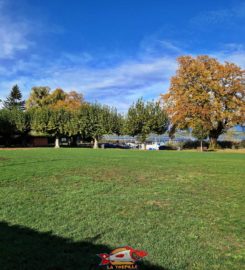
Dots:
pixel 96 143
pixel 214 135
pixel 201 146
pixel 57 142
pixel 24 141
pixel 213 142
pixel 143 146
pixel 74 140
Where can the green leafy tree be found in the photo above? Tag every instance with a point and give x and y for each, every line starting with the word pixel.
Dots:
pixel 56 124
pixel 38 97
pixel 115 121
pixel 39 118
pixel 201 133
pixel 14 100
pixel 97 120
pixel 58 99
pixel 49 121
pixel 56 96
pixel 144 118
pixel 12 123
pixel 74 124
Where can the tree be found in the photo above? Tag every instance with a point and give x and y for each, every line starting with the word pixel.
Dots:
pixel 41 97
pixel 115 122
pixel 55 125
pixel 74 124
pixel 39 118
pixel 14 100
pixel 145 118
pixel 12 122
pixel 71 101
pixel 58 95
pixel 200 133
pixel 48 121
pixel 98 120
pixel 38 97
pixel 206 92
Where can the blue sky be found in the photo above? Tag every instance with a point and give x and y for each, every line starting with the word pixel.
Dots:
pixel 112 51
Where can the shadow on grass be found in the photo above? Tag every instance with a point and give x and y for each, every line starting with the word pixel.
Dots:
pixel 24 248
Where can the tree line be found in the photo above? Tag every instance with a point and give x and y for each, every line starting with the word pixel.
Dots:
pixel 205 96
pixel 60 114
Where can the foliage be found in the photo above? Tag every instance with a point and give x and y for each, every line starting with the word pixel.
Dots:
pixel 71 101
pixel 116 122
pixel 194 144
pixel 242 144
pixel 38 97
pixel 12 122
pixel 56 121
pixel 14 100
pixel 144 118
pixel 199 132
pixel 39 118
pixel 58 99
pixel 90 122
pixel 99 120
pixel 207 93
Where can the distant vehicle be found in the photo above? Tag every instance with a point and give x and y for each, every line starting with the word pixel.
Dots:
pixel 115 145
pixel 154 146
pixel 132 145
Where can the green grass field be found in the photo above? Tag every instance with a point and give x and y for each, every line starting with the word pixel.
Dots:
pixel 59 208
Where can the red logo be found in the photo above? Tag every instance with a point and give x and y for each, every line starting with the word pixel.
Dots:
pixel 122 257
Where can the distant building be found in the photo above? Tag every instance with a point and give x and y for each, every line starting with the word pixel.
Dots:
pixel 36 141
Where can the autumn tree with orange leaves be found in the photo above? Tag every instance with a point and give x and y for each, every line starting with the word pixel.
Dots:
pixel 70 101
pixel 208 93
pixel 58 99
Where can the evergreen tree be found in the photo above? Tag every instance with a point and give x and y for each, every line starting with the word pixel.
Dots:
pixel 14 100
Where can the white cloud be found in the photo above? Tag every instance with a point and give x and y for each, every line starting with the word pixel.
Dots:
pixel 13 34
pixel 220 16
pixel 117 85
pixel 232 52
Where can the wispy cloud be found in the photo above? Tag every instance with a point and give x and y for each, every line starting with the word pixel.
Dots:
pixel 155 45
pixel 220 16
pixel 232 52
pixel 113 79
pixel 13 34
pixel 120 84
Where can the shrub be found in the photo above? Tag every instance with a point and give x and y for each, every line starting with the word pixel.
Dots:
pixel 167 147
pixel 242 144
pixel 225 144
pixel 194 144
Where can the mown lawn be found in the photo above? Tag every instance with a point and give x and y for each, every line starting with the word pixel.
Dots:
pixel 58 208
